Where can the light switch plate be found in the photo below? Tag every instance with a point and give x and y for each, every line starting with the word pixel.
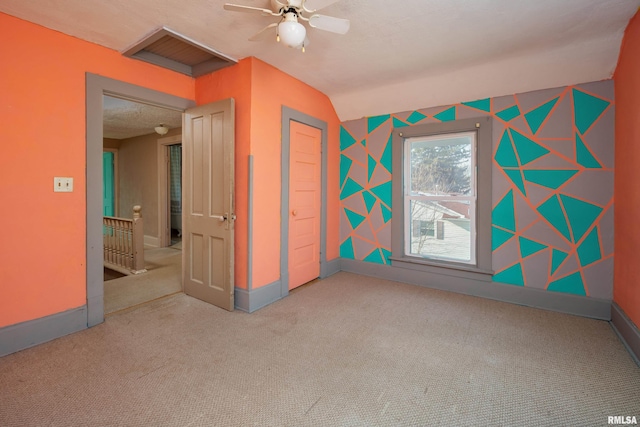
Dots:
pixel 62 184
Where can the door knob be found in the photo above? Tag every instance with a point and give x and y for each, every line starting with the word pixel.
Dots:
pixel 294 212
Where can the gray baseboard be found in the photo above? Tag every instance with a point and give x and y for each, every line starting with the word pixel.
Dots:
pixel 33 332
pixel 627 331
pixel 257 298
pixel 330 268
pixel 564 303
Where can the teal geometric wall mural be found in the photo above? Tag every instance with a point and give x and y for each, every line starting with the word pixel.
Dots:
pixel 529 247
pixel 415 117
pixel 504 213
pixel 552 179
pixel 446 115
pixel 584 156
pixel 508 114
pixel 537 116
pixel 512 275
pixel 480 104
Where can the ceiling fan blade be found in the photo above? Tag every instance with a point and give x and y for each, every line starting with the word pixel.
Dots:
pixel 250 9
pixel 329 23
pixel 264 33
pixel 313 5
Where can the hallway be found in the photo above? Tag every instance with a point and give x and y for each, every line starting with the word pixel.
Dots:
pixel 163 277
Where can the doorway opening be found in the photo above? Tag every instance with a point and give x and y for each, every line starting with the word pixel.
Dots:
pixel 170 191
pixel 129 135
pixel 175 194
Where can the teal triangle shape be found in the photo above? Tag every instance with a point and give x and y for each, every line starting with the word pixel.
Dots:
pixel 552 178
pixel 571 284
pixel 375 257
pixel 355 219
pixel 447 115
pixel 503 215
pixel 509 114
pixel 512 276
pixel 529 247
pixel 364 143
pixel 557 258
pixel 415 117
pixel 374 122
pixel 537 116
pixel 527 150
pixel 587 109
pixel 386 254
pixel 397 123
pixel 581 215
pixel 516 177
pixel 584 156
pixel 350 188
pixel 499 237
pixel 385 159
pixel 371 166
pixel 386 214
pixel 369 200
pixel 383 192
pixel 505 156
pixel 346 249
pixel 552 212
pixel 589 251
pixel 345 167
pixel 346 140
pixel 480 104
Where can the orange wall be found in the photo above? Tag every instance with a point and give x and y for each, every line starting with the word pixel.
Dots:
pixel 259 96
pixel 235 82
pixel 626 287
pixel 271 89
pixel 42 105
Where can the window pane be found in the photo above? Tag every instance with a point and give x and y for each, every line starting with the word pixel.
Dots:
pixel 442 165
pixel 440 229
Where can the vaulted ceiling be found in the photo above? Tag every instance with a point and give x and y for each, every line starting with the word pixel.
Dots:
pixel 397 55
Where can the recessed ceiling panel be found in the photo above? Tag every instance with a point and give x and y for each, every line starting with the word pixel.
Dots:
pixel 169 49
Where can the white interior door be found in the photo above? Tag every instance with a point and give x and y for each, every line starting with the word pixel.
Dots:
pixel 208 205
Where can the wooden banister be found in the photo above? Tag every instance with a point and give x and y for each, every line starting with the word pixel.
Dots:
pixel 123 243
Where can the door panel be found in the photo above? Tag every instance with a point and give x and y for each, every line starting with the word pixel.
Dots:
pixel 304 203
pixel 208 205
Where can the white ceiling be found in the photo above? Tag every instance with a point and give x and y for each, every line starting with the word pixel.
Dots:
pixel 125 119
pixel 398 55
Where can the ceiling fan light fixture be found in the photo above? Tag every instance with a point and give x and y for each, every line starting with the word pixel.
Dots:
pixel 161 130
pixel 292 33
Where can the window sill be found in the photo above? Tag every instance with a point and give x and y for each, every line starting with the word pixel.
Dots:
pixel 443 267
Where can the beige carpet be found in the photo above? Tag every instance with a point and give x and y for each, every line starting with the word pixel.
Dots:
pixel 163 277
pixel 345 351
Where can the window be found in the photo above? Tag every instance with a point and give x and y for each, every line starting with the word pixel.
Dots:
pixel 440 186
pixel 442 196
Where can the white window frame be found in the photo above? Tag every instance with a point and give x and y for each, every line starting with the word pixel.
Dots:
pixel 482 269
pixel 410 196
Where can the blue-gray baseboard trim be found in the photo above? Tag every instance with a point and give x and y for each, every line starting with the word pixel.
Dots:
pixel 564 303
pixel 33 332
pixel 257 298
pixel 627 331
pixel 330 268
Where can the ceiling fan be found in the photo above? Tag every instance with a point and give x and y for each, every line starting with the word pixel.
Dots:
pixel 289 30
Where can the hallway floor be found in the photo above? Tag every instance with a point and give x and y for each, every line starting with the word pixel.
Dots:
pixel 163 277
